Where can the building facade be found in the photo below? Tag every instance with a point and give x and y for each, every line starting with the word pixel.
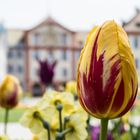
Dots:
pixel 3 52
pixel 132 27
pixel 48 40
pixel 52 41
pixel 16 54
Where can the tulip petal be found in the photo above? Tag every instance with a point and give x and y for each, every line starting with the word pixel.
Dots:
pixel 107 79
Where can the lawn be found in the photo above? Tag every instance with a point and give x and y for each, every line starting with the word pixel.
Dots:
pixel 14 114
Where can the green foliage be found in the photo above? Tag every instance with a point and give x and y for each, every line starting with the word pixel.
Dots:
pixel 14 114
pixel 126 136
pixel 136 110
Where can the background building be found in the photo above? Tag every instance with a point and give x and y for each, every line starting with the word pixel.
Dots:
pixel 48 40
pixel 16 54
pixel 132 27
pixel 3 51
pixel 54 42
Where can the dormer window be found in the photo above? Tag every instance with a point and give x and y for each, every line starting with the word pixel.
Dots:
pixel 37 38
pixel 64 39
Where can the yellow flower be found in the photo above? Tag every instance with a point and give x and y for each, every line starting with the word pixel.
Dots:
pixel 55 97
pixel 35 137
pixel 34 124
pixel 78 126
pixel 10 92
pixel 3 137
pixel 50 114
pixel 63 98
pixel 28 120
pixel 81 111
pixel 54 126
pixel 71 87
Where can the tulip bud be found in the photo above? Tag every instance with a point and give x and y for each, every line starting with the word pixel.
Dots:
pixel 10 92
pixel 107 79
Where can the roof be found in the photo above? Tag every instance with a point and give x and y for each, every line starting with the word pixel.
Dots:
pixel 51 21
pixel 14 36
pixel 133 25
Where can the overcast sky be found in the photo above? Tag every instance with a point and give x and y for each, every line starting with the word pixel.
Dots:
pixel 74 14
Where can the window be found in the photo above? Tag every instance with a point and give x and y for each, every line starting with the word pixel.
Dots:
pixel 10 68
pixel 131 39
pixel 20 69
pixel 64 55
pixel 64 39
pixel 77 55
pixel 19 54
pixel 136 42
pixel 20 45
pixel 51 55
pixel 64 72
pixel 35 54
pixel 37 38
pixel 10 54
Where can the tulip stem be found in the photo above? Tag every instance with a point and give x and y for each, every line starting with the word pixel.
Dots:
pixel 60 136
pixel 104 127
pixel 45 124
pixel 6 120
pixel 66 119
pixel 59 108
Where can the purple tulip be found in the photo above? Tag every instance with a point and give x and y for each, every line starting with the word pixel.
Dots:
pixel 95 133
pixel 46 72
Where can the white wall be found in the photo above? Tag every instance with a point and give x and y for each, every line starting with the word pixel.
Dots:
pixel 3 54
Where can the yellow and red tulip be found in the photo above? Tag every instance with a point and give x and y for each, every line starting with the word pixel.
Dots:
pixel 10 92
pixel 107 78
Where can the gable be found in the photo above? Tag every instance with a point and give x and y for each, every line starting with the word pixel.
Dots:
pixel 133 26
pixel 49 35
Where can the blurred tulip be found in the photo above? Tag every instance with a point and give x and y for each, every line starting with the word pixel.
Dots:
pixel 4 137
pixel 71 87
pixel 107 78
pixel 10 92
pixel 46 72
pixel 35 137
pixel 95 133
